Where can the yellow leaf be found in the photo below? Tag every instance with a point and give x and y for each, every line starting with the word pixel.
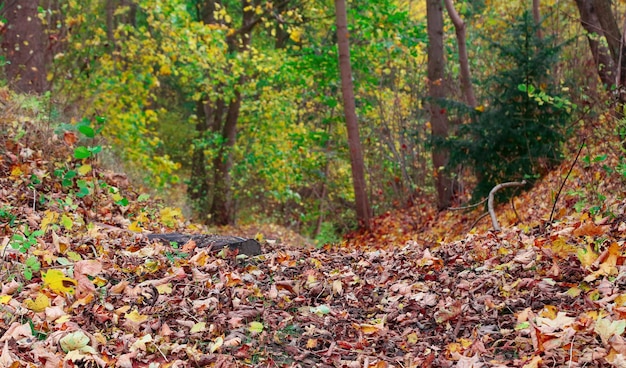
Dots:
pixel 198 327
pixel 454 347
pixel 164 289
pixel 316 263
pixel 466 343
pixel 169 216
pixel 5 299
pixel 58 282
pixel 40 303
pixel 412 338
pixel 549 311
pixel 16 172
pixel 587 256
pixel 49 218
pixel 255 327
pixel 136 317
pixel 84 169
pixel 73 256
pixel 561 248
pixel 620 301
pixel 134 226
pixel 216 344
pixel 367 328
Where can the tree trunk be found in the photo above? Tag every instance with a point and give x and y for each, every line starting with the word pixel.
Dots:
pixel 465 75
pixel 363 211
pixel 211 195
pixel 613 38
pixel 537 18
pixel 198 187
pixel 601 55
pixel 24 46
pixel 222 212
pixel 438 117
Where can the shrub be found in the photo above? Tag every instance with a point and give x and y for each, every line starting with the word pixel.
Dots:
pixel 519 132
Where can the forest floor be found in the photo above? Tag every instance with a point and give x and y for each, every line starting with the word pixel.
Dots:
pixel 81 287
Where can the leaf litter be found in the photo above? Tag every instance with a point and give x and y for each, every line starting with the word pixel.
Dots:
pixel 419 290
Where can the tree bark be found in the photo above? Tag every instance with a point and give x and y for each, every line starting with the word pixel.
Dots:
pixel 613 38
pixel 601 55
pixel 24 46
pixel 222 211
pixel 198 187
pixel 465 74
pixel 537 18
pixel 363 210
pixel 438 117
pixel 211 195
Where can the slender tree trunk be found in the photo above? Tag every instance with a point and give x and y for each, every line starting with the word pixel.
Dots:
pixel 537 17
pixel 24 46
pixel 211 195
pixel 222 212
pixel 465 75
pixel 438 117
pixel 198 187
pixel 601 55
pixel 111 6
pixel 363 210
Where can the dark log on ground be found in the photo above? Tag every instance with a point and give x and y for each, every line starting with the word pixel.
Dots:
pixel 215 243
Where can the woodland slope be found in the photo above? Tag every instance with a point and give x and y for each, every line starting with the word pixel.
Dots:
pixel 81 286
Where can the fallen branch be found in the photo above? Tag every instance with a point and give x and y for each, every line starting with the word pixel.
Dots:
pixel 492 212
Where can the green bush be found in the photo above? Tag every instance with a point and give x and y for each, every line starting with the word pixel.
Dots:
pixel 519 133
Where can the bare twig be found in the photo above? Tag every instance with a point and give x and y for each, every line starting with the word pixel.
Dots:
pixel 556 199
pixel 467 207
pixel 478 219
pixel 492 212
pixel 515 210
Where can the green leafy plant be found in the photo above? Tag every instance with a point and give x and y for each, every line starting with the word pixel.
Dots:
pixel 7 216
pixel 24 241
pixel 519 133
pixel 31 266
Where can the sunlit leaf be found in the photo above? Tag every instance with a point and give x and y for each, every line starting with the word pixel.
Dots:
pixel 40 303
pixel 58 282
pixel 255 327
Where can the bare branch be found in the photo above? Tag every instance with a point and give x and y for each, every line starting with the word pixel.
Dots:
pixel 492 212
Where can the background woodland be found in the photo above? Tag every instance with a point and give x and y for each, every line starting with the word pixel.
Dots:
pixel 236 110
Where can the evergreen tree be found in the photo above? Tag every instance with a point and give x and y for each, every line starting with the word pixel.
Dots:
pixel 519 133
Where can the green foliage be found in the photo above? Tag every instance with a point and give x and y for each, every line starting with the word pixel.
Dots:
pixel 31 266
pixel 24 241
pixel 519 133
pixel 328 235
pixel 7 216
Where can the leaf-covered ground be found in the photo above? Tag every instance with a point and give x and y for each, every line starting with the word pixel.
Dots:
pixel 81 287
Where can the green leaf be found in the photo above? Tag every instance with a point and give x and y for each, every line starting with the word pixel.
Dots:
pixel 95 150
pixel 122 202
pixel 81 152
pixel 255 327
pixel 67 222
pixel 143 197
pixel 87 131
